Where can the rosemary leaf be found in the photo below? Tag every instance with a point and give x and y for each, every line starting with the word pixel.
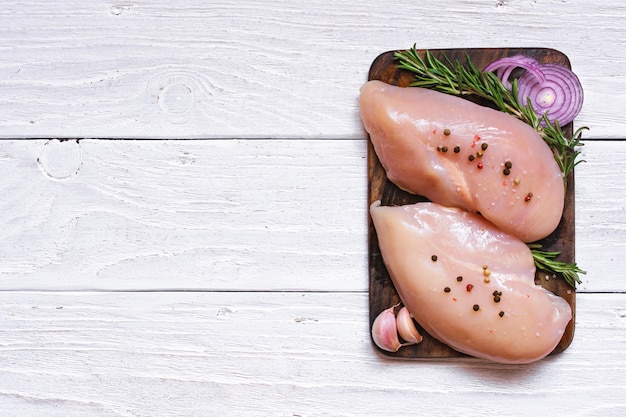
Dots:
pixel 546 261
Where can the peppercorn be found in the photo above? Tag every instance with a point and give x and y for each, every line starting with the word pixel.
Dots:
pixel 459 278
pixel 447 289
pixel 501 314
pixel 480 165
pixel 457 149
pixel 528 197
pixel 446 132
pixel 516 181
pixel 469 287
pixel 476 307
pixel 471 158
pixel 496 299
pixel 484 146
pixel 508 165
pixel 434 258
pixel 444 149
pixel 506 171
pixel 480 154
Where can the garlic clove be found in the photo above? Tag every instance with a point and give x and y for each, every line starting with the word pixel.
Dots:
pixel 385 331
pixel 406 327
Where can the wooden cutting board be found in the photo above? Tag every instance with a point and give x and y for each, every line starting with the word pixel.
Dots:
pixel 382 293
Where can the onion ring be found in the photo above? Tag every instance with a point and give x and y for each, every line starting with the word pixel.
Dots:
pixel 561 95
pixel 505 66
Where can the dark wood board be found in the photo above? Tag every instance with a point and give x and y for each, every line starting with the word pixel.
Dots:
pixel 382 293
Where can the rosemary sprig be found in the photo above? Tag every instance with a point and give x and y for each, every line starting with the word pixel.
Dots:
pixel 463 80
pixel 546 260
pixel 565 150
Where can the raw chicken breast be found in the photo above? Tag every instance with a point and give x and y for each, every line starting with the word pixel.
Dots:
pixel 436 257
pixel 425 140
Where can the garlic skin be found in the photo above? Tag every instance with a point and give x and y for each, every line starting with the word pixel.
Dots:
pixel 385 331
pixel 406 327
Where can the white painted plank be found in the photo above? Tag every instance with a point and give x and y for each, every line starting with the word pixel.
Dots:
pixel 601 216
pixel 183 215
pixel 260 68
pixel 230 215
pixel 297 354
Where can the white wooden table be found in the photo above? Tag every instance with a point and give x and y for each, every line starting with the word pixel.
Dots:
pixel 218 266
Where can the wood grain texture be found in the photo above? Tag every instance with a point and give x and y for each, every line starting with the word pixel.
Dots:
pixel 254 215
pixel 601 225
pixel 157 69
pixel 230 215
pixel 279 354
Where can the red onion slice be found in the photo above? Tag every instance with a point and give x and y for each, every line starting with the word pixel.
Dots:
pixel 553 90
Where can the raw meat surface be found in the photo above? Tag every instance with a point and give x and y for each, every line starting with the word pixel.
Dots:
pixel 500 315
pixel 408 126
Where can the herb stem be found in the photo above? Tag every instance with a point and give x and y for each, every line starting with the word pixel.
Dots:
pixel 546 261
